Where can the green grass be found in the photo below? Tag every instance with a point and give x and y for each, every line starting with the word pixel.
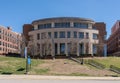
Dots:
pixel 12 65
pixel 109 61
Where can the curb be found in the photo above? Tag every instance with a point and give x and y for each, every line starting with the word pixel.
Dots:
pixel 40 77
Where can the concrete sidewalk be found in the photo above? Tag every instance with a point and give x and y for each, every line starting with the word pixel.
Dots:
pixel 42 77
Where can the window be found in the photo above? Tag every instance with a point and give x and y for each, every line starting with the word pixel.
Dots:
pixel 80 25
pixel 68 34
pixel 75 34
pixel 87 35
pixel 95 36
pixel 38 36
pixel 94 49
pixel 55 34
pixel 62 34
pixel 49 35
pixel 43 35
pixel 62 48
pixel 81 35
pixel 0 31
pixel 62 25
pixel 44 26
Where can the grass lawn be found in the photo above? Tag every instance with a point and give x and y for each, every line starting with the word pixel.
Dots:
pixel 12 65
pixel 66 67
pixel 107 61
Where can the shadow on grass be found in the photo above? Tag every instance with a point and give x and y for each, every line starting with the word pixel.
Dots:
pixel 6 73
pixel 21 69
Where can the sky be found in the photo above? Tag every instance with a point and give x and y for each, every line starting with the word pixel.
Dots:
pixel 16 13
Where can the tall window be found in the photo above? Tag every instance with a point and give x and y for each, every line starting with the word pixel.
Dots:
pixel 68 34
pixel 95 36
pixel 0 31
pixel 62 34
pixel 38 36
pixel 80 25
pixel 75 34
pixel 62 48
pixel 62 25
pixel 94 49
pixel 81 35
pixel 55 34
pixel 87 35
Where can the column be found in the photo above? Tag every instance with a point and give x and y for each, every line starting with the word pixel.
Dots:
pixel 58 48
pixel 52 24
pixel 90 49
pixel 84 47
pixel 41 49
pixel 78 49
pixel 66 49
pixel 71 24
pixel 35 27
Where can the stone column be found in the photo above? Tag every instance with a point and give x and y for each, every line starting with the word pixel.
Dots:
pixel 40 49
pixel 84 47
pixel 71 24
pixel 58 48
pixel 35 27
pixel 66 49
pixel 78 49
pixel 52 24
pixel 90 49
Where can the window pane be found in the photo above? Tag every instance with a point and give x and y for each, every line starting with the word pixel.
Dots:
pixel 87 35
pixel 62 34
pixel 75 34
pixel 81 35
pixel 55 34
pixel 95 36
pixel 62 48
pixel 62 25
pixel 68 34
pixel 80 25
pixel 44 26
pixel 38 36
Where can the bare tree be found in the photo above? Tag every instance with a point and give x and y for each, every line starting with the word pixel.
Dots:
pixel 23 44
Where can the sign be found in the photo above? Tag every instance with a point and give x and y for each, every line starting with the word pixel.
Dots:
pixel 29 60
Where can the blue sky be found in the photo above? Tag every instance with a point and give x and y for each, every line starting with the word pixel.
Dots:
pixel 15 13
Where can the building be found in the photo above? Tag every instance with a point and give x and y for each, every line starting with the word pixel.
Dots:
pixel 9 41
pixel 113 42
pixel 27 28
pixel 63 35
pixel 101 27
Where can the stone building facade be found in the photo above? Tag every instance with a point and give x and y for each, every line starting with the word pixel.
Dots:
pixel 63 35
